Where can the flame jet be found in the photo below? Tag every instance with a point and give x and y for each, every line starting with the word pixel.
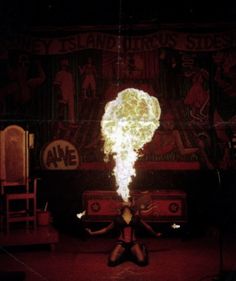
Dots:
pixel 128 123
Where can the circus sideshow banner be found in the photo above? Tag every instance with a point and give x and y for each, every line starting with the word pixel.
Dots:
pixel 59 87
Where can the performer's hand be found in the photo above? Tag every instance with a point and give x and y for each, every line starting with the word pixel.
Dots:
pixel 89 231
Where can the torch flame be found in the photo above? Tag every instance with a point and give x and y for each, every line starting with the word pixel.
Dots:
pixel 80 215
pixel 128 123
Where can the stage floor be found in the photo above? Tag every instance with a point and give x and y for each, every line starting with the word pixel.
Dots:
pixel 77 259
pixel 42 235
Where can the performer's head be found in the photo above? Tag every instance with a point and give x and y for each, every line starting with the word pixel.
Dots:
pixel 128 205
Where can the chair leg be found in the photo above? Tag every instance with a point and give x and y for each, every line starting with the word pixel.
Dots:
pixel 30 218
pixel 35 213
pixel 1 215
pixel 1 222
pixel 27 213
pixel 7 216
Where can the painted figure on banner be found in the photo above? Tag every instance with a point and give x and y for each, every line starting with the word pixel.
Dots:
pixel 225 110
pixel 168 139
pixel 131 66
pixel 135 66
pixel 89 74
pixel 197 97
pixel 127 246
pixel 24 76
pixel 65 89
pixel 206 153
pixel 170 73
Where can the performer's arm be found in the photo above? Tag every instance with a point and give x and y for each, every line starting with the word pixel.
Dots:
pixel 101 231
pixel 150 229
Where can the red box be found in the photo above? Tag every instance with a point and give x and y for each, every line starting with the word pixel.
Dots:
pixel 156 206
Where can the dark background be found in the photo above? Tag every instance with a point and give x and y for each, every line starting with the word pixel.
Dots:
pixel 50 12
pixel 210 197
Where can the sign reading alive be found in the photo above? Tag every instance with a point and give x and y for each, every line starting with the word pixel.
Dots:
pixel 59 155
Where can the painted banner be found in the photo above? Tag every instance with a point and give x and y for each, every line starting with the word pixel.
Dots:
pixel 58 88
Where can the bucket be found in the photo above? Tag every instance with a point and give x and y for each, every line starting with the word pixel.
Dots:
pixel 43 218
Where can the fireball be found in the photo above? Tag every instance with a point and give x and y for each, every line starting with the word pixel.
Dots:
pixel 129 122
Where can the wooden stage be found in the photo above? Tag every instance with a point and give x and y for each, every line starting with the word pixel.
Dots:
pixel 21 237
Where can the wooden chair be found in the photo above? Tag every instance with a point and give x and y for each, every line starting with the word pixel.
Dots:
pixel 18 191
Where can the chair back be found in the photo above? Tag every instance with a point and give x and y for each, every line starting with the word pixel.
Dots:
pixel 14 156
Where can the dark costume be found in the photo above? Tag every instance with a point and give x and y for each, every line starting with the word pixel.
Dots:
pixel 127 230
pixel 127 245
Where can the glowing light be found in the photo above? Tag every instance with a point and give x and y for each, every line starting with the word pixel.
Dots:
pixel 175 226
pixel 128 123
pixel 80 215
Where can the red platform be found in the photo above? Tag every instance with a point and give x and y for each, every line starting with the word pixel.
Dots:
pixel 157 206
